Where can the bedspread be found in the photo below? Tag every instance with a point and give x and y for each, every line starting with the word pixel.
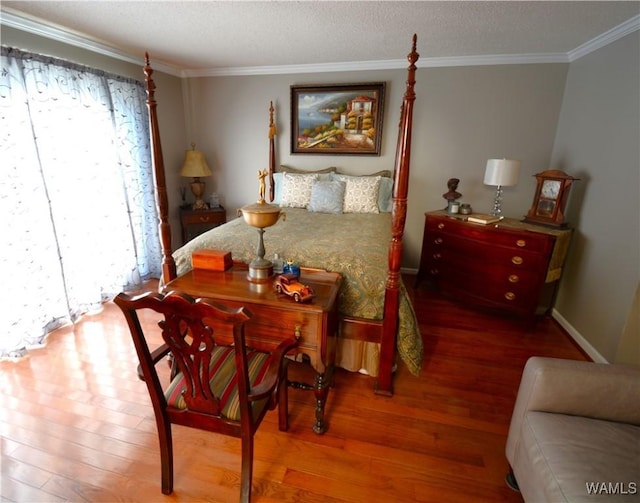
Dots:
pixel 355 245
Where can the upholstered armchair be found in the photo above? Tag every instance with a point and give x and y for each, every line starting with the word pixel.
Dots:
pixel 575 432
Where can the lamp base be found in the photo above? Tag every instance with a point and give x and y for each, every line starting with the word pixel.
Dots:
pixel 197 188
pixel 200 205
pixel 497 203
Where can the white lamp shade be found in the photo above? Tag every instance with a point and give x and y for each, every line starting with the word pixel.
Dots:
pixel 194 164
pixel 502 172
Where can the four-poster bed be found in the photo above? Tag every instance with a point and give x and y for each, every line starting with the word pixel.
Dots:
pixel 389 321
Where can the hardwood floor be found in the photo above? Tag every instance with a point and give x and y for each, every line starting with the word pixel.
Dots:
pixel 77 425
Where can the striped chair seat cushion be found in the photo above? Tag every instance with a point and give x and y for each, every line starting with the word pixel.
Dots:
pixel 224 383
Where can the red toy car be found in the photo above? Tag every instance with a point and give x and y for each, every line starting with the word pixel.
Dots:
pixel 289 285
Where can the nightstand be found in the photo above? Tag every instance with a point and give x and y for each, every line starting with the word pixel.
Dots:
pixel 195 222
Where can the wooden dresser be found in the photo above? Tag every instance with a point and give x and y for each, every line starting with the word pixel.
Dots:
pixel 510 266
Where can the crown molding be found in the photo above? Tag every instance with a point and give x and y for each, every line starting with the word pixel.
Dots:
pixel 395 64
pixel 605 38
pixel 22 22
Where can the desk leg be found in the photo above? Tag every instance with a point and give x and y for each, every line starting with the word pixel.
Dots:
pixel 320 390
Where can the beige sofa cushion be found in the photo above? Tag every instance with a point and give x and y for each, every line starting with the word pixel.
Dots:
pixel 560 454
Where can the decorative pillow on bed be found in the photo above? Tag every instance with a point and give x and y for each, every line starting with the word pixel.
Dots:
pixel 361 194
pixel 296 190
pixel 385 191
pixel 323 174
pixel 327 197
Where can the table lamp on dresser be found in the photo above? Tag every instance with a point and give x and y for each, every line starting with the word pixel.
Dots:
pixel 501 173
pixel 195 166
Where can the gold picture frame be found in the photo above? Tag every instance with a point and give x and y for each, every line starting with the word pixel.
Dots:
pixel 337 119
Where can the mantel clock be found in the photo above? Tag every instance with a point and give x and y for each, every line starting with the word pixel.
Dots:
pixel 550 198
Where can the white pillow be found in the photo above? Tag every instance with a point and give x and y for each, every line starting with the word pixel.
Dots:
pixel 296 190
pixel 361 194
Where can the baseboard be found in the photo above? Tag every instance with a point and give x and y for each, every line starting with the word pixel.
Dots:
pixel 577 337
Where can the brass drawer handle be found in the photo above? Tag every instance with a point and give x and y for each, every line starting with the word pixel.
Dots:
pixel 521 243
pixel 438 241
pixel 204 218
pixel 434 272
pixel 517 260
pixel 510 296
pixel 440 225
pixel 437 256
pixel 297 332
pixel 513 278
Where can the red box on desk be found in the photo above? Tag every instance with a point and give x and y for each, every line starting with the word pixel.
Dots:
pixel 212 260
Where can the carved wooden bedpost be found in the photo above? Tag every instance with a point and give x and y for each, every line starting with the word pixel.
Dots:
pixel 272 154
pixel 168 264
pixel 398 216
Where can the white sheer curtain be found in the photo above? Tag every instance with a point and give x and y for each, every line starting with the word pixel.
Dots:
pixel 78 221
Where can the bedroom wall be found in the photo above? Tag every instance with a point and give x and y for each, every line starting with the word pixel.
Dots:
pixel 168 95
pixel 462 117
pixel 598 141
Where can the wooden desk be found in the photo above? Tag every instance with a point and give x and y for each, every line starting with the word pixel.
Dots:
pixel 275 315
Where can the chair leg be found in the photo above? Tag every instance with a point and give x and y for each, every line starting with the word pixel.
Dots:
pixel 283 400
pixel 247 468
pixel 166 455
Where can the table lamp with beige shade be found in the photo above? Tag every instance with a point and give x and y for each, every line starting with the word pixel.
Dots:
pixel 195 166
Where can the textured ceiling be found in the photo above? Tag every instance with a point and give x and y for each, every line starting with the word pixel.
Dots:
pixel 200 37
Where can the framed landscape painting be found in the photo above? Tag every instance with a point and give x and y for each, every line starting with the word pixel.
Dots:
pixel 337 119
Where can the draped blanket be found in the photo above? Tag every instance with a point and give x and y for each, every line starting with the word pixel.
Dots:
pixel 352 244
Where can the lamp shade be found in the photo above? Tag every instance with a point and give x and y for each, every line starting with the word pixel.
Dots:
pixel 502 172
pixel 194 163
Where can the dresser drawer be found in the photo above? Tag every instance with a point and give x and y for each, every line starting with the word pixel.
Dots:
pixel 496 287
pixel 477 274
pixel 461 249
pixel 267 324
pixel 204 217
pixel 490 234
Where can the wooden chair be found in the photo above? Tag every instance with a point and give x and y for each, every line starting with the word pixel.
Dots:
pixel 221 385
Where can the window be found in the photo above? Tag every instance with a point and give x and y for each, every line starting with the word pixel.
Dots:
pixel 78 217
